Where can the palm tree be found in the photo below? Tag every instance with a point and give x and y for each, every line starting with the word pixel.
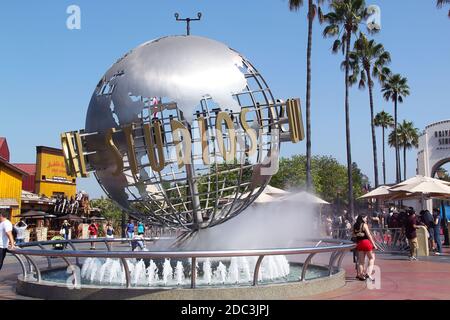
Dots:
pixel 407 137
pixel 440 4
pixel 313 8
pixel 395 88
pixel 343 21
pixel 368 59
pixel 384 120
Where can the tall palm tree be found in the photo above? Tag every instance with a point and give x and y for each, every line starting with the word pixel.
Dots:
pixel 395 88
pixel 407 137
pixel 313 9
pixel 384 120
pixel 343 21
pixel 440 4
pixel 368 59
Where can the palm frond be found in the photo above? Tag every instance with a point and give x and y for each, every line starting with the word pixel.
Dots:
pixel 295 5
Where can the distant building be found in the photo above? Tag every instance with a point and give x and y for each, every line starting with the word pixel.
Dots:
pixel 4 150
pixel 10 189
pixel 45 177
pixel 51 176
pixel 29 181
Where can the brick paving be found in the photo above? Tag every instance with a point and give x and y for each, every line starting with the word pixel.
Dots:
pixel 401 279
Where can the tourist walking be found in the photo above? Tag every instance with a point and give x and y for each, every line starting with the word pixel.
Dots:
pixel 130 229
pixel 6 237
pixel 140 228
pixel 328 226
pixel 93 233
pixel 364 247
pixel 411 226
pixel 138 241
pixel 426 218
pixel 109 232
pixel 376 220
pixel 20 228
pixel 437 231
pixel 65 230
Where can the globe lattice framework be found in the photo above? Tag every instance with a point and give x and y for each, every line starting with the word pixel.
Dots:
pixel 198 195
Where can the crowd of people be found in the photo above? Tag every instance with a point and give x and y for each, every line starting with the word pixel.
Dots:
pixel 341 225
pixel 393 225
pixel 404 219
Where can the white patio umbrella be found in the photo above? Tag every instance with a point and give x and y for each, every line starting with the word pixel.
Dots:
pixel 421 187
pixel 422 184
pixel 303 197
pixel 380 192
pixel 265 198
pixel 274 191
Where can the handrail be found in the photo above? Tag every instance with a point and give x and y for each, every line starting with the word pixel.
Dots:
pixel 181 254
pixel 337 247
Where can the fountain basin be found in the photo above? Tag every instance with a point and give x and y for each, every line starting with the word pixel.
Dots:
pixel 53 287
pixel 124 275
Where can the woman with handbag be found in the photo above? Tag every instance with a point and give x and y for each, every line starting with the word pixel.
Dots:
pixel 364 247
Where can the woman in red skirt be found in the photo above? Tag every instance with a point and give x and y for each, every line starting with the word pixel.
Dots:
pixel 364 246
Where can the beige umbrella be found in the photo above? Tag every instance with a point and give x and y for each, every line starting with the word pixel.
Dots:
pixel 304 197
pixel 419 179
pixel 380 192
pixel 423 185
pixel 274 191
pixel 265 198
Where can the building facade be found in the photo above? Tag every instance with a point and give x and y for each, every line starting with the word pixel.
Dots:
pixel 51 176
pixel 434 150
pixel 10 189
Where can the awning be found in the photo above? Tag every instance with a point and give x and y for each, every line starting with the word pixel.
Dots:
pixel 6 203
pixel 35 215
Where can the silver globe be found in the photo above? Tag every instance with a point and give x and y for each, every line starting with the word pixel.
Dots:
pixel 183 78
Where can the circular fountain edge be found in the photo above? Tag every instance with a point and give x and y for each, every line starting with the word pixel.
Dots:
pixel 289 290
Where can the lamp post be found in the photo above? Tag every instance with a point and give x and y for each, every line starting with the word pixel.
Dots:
pixel 188 21
pixel 441 174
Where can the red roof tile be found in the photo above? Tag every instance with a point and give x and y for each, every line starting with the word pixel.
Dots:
pixel 29 168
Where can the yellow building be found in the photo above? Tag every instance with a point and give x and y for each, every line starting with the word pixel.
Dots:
pixel 51 176
pixel 10 189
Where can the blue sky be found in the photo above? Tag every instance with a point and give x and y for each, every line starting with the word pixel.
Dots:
pixel 50 72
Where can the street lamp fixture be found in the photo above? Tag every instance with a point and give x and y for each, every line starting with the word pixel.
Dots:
pixel 188 21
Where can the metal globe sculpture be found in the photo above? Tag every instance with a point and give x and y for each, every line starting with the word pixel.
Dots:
pixel 183 132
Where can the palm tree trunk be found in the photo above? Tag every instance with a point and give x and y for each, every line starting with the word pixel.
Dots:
pixel 397 154
pixel 384 160
pixel 347 128
pixel 308 96
pixel 372 125
pixel 404 162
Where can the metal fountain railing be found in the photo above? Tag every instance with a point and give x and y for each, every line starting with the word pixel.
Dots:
pixel 388 240
pixel 336 247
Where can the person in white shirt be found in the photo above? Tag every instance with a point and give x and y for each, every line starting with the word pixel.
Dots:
pixel 138 241
pixel 6 237
pixel 20 228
